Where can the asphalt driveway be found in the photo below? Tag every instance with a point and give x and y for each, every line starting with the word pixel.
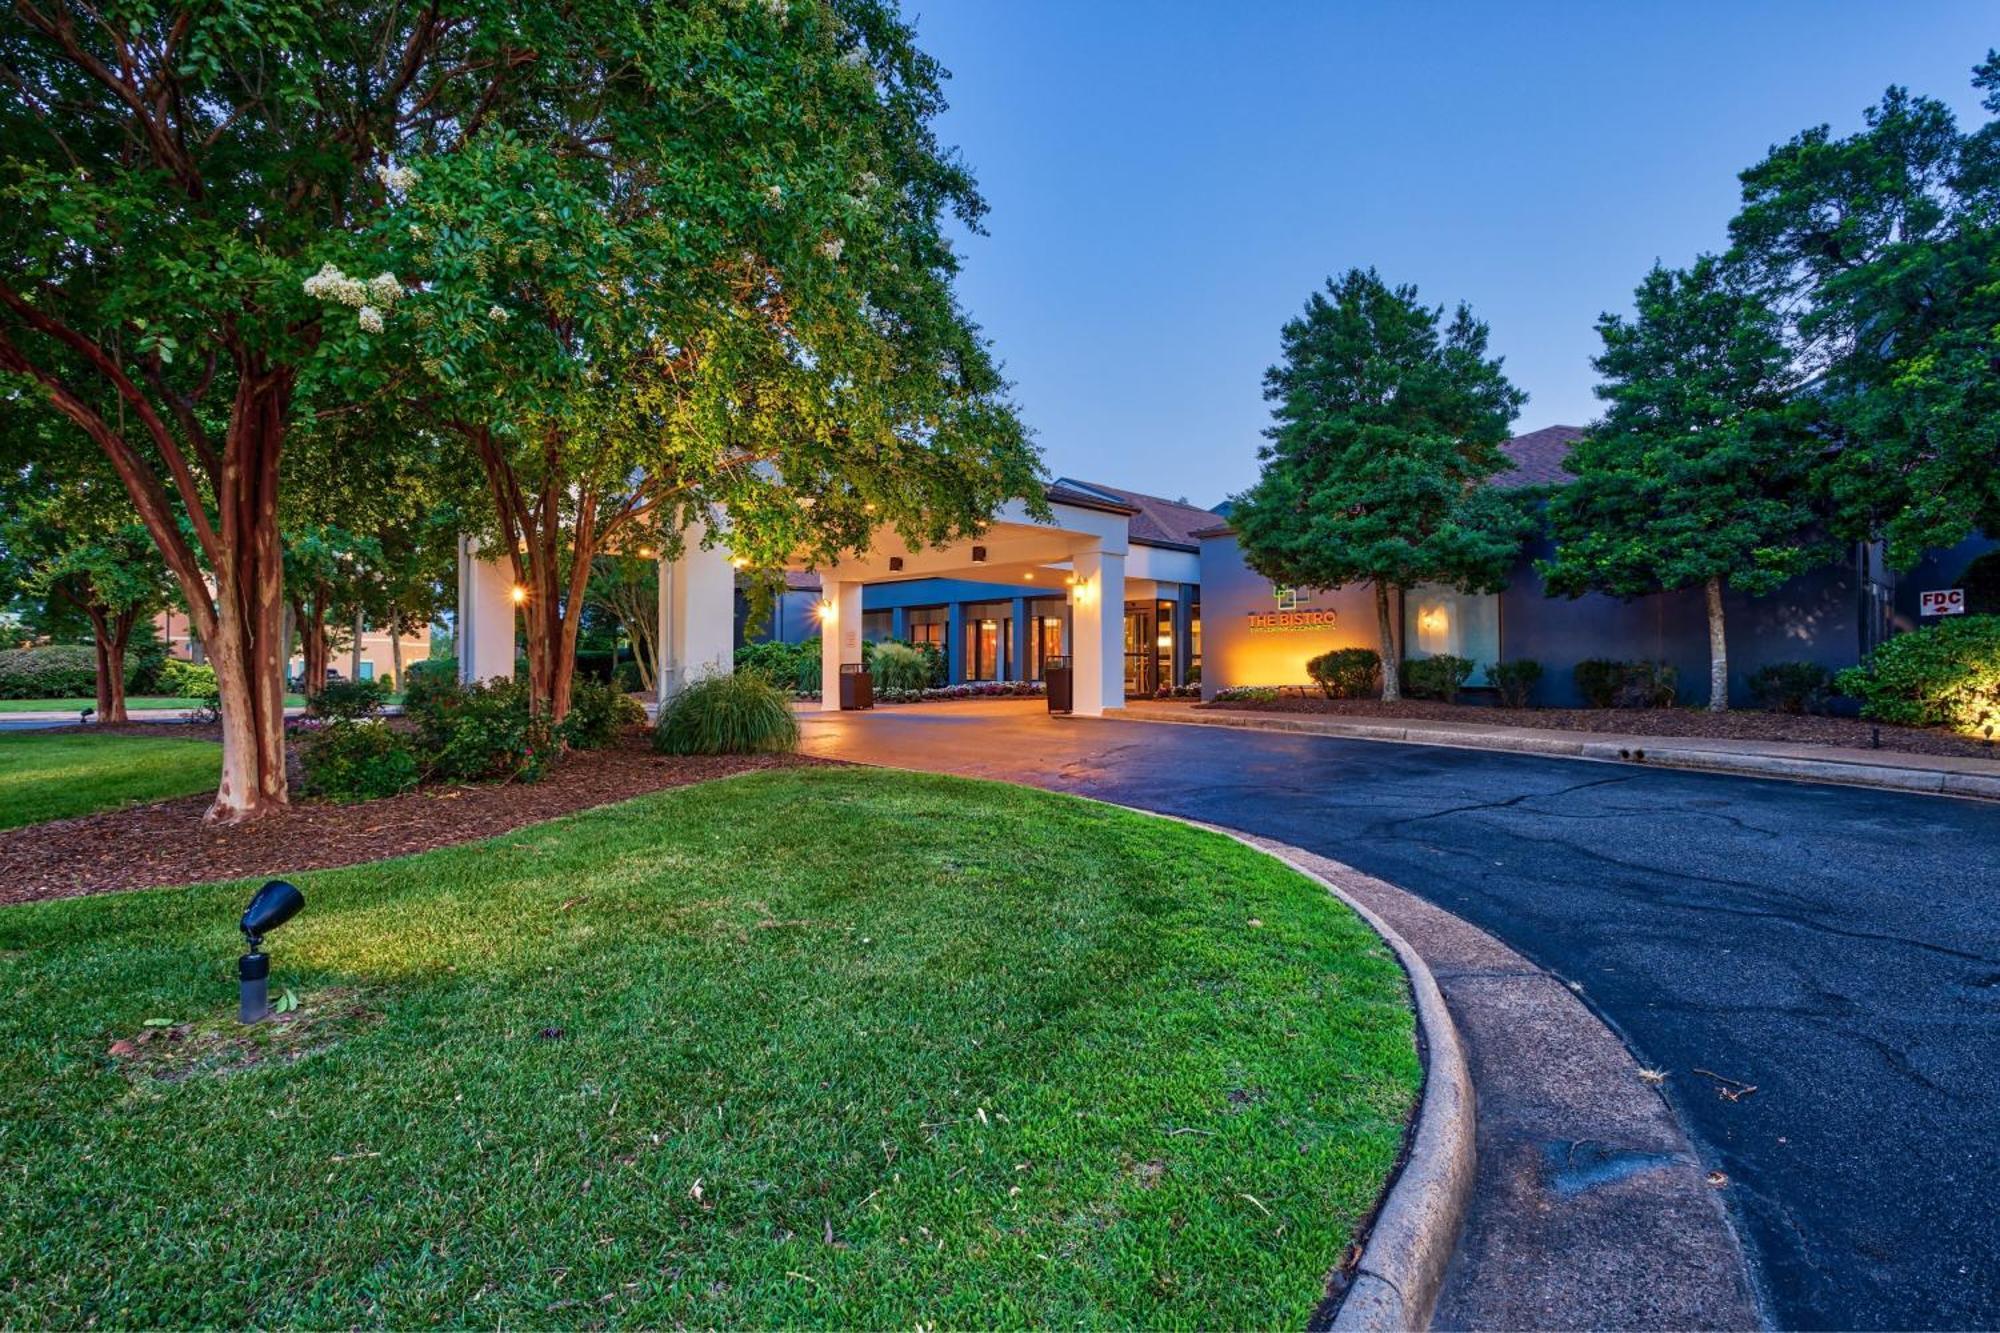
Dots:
pixel 1837 950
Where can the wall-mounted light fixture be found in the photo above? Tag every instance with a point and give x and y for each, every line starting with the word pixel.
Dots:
pixel 827 612
pixel 895 564
pixel 647 553
pixel 1085 592
pixel 739 562
pixel 518 593
pixel 272 906
pixel 979 555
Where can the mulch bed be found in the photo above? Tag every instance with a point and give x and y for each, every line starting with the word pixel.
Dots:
pixel 1742 725
pixel 151 845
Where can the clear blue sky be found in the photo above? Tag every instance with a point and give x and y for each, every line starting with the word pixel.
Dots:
pixel 1170 179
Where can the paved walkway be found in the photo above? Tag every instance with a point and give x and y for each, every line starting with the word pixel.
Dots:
pixel 1815 968
pixel 1948 775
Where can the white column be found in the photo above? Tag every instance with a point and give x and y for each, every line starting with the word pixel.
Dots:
pixel 485 616
pixel 1097 623
pixel 697 614
pixel 839 638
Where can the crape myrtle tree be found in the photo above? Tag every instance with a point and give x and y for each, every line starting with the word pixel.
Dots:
pixel 627 589
pixel 73 546
pixel 710 293
pixel 166 170
pixel 1387 425
pixel 1882 251
pixel 1698 474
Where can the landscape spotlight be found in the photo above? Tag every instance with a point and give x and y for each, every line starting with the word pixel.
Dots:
pixel 274 904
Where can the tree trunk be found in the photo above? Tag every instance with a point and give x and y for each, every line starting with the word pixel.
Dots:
pixel 313 651
pixel 395 657
pixel 354 657
pixel 1718 652
pixel 249 648
pixel 1392 664
pixel 109 642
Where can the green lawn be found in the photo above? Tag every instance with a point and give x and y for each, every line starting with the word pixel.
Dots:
pixel 134 703
pixel 813 1046
pixel 56 776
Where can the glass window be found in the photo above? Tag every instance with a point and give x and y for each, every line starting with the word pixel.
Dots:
pixel 876 625
pixel 1439 620
pixel 928 625
pixel 1194 645
pixel 985 640
pixel 1047 638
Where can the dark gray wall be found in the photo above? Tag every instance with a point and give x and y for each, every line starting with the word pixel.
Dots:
pixel 1938 569
pixel 1829 616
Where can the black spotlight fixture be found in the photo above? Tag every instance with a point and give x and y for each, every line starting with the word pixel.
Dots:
pixel 274 904
pixel 979 555
pixel 83 718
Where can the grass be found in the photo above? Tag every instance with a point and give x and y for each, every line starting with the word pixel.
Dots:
pixel 134 703
pixel 58 776
pixel 812 1046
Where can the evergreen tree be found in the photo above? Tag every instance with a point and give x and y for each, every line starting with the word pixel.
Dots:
pixel 1698 474
pixel 1387 426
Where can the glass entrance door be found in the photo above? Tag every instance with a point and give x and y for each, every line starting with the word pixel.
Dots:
pixel 1142 661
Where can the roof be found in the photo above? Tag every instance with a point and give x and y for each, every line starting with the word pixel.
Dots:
pixel 1156 521
pixel 1538 457
pixel 1065 491
pixel 801 580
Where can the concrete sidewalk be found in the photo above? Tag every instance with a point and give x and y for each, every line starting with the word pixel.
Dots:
pixel 1938 775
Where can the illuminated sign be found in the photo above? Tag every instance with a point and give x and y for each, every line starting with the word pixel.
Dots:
pixel 1290 615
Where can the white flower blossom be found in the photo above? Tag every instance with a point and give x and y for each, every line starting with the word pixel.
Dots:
pixel 497 314
pixel 416 232
pixel 854 59
pixel 778 9
pixel 832 246
pixel 384 290
pixel 775 194
pixel 370 319
pixel 330 284
pixel 869 180
pixel 397 179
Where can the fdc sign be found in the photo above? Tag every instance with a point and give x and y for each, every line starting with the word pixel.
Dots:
pixel 1943 602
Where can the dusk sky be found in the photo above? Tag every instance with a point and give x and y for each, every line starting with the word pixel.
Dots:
pixel 1169 181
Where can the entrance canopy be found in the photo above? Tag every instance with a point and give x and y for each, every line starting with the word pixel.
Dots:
pixel 1080 550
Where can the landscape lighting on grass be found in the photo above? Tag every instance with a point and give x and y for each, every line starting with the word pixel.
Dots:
pixel 272 906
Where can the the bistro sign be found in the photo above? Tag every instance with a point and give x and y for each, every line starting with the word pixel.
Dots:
pixel 1290 615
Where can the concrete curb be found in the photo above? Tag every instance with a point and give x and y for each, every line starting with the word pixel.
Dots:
pixel 1667 754
pixel 1410 1243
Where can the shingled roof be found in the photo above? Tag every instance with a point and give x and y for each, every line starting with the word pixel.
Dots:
pixel 1538 457
pixel 1156 521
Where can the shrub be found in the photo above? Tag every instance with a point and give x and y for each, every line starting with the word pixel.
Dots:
pixel 1646 685
pixel 1945 676
pixel 1346 673
pixel 52 671
pixel 626 677
pixel 1597 680
pixel 1247 694
pixel 1436 677
pixel 348 700
pixel 789 666
pixel 187 680
pixel 206 709
pixel 426 682
pixel 597 713
pixel 474 732
pixel 734 714
pixel 351 760
pixel 899 666
pixel 1604 683
pixel 1791 687
pixel 145 658
pixel 1515 681
pixel 1981 581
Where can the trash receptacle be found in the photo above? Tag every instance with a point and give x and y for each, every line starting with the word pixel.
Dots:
pixel 1060 681
pixel 857 687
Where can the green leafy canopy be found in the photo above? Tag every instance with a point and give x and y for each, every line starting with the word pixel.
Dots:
pixel 1387 425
